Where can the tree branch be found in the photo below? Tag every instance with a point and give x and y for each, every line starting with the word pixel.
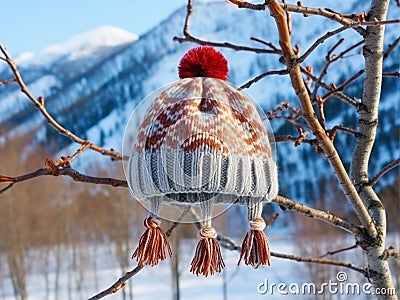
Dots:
pixel 393 253
pixel 58 170
pixel 323 261
pixel 268 44
pixel 339 250
pixel 373 53
pixel 342 86
pixel 230 244
pixel 40 105
pixel 350 20
pixel 391 74
pixel 318 214
pixel 338 94
pixel 189 38
pixel 321 40
pixel 263 75
pixel 391 48
pixel 382 172
pixel 309 115
pixel 7 81
pixel 120 283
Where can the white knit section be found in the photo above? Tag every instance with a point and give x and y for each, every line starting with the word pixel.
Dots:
pixel 206 212
pixel 155 207
pixel 254 208
pixel 173 172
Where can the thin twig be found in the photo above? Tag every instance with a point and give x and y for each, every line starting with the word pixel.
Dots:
pixel 345 129
pixel 230 244
pixel 7 81
pixel 391 74
pixel 120 283
pixel 318 214
pixel 65 161
pixel 343 85
pixel 263 75
pixel 61 171
pixel 339 94
pixel 393 253
pixel 382 172
pixel 321 40
pixel 324 70
pixel 331 59
pixel 391 48
pixel 296 140
pixel 190 38
pixel 268 44
pixel 323 261
pixel 352 20
pixel 338 251
pixel 40 105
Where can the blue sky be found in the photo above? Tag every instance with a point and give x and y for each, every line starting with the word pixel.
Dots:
pixel 28 25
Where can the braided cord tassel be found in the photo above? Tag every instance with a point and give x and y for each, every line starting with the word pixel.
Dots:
pixel 255 248
pixel 207 259
pixel 153 244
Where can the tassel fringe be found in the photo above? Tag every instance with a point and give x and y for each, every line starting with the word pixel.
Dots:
pixel 207 258
pixel 153 244
pixel 255 247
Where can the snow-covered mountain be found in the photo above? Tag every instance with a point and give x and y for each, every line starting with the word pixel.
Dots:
pixel 93 82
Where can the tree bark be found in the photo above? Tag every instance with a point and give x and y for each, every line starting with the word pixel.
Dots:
pixel 374 247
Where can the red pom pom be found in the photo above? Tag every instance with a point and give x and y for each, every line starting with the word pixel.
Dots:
pixel 203 61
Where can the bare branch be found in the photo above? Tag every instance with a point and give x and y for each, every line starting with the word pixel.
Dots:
pixel 39 103
pixel 230 244
pixel 263 75
pixel 327 87
pixel 340 18
pixel 329 60
pixel 121 282
pixel 343 85
pixel 318 214
pixel 391 74
pixel 321 40
pixel 339 250
pixel 309 115
pixel 393 253
pixel 7 81
pixel 323 261
pixel 61 171
pixel 268 44
pixel 248 5
pixel 391 48
pixel 296 140
pixel 344 129
pixel 382 172
pixel 189 38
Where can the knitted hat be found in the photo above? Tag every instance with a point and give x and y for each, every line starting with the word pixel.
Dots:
pixel 202 142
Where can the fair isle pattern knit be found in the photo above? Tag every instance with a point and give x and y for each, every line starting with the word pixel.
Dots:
pixel 202 139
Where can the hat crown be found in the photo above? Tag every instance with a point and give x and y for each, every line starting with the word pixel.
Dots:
pixel 201 112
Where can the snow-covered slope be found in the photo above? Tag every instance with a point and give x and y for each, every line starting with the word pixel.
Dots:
pixel 93 82
pixel 60 65
pixel 87 44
